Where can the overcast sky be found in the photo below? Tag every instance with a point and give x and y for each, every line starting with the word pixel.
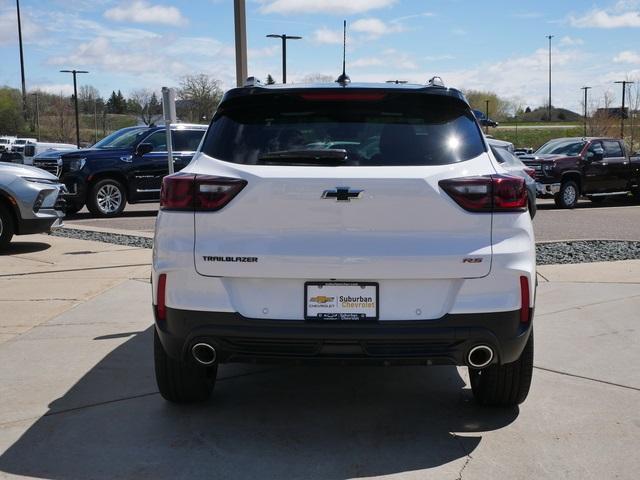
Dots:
pixel 496 45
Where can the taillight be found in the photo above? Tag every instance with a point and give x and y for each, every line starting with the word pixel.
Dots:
pixel 491 193
pixel 199 193
pixel 161 306
pixel 525 309
pixel 530 171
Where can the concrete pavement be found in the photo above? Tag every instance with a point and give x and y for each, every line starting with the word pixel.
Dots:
pixel 79 399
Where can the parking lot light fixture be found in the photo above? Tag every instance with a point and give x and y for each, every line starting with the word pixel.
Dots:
pixel 586 89
pixel 75 96
pixel 549 104
pixel 284 37
pixel 624 84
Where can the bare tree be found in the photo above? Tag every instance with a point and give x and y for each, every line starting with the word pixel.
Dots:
pixel 601 122
pixel 634 111
pixel 87 96
pixel 201 95
pixel 317 78
pixel 145 105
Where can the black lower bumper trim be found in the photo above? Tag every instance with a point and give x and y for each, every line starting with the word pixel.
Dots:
pixel 443 341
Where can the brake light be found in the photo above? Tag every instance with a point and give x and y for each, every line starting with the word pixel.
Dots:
pixel 530 171
pixel 490 193
pixel 161 306
pixel 525 309
pixel 342 96
pixel 199 193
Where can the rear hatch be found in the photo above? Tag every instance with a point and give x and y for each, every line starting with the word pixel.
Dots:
pixel 374 213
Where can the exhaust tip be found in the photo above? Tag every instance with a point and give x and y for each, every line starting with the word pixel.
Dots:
pixel 480 356
pixel 203 353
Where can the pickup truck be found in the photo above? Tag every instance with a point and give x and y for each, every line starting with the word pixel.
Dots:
pixel 594 167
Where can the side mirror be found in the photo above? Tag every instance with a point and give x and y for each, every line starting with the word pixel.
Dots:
pixel 143 149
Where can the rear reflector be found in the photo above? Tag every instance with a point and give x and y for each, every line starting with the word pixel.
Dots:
pixel 199 193
pixel 525 309
pixel 161 307
pixel 342 96
pixel 490 193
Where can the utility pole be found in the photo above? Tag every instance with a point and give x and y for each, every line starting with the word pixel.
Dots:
pixel 24 88
pixel 624 94
pixel 35 94
pixel 486 114
pixel 95 119
pixel 75 97
pixel 549 105
pixel 586 89
pixel 284 38
pixel 240 17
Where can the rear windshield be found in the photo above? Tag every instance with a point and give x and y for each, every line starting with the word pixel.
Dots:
pixel 399 129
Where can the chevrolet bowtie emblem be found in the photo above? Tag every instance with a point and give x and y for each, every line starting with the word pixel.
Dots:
pixel 342 194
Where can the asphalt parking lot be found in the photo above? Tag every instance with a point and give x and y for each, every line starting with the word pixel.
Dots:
pixel 80 401
pixel 615 219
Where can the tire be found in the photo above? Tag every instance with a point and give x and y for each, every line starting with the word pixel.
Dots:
pixel 504 385
pixel 598 199
pixel 181 382
pixel 7 228
pixel 568 195
pixel 107 198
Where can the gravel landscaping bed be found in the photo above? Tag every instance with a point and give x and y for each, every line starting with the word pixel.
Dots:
pixel 578 251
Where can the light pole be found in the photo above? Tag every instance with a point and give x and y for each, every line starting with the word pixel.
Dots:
pixel 549 105
pixel 75 96
pixel 624 94
pixel 240 20
pixel 35 94
pixel 486 114
pixel 24 88
pixel 284 39
pixel 586 89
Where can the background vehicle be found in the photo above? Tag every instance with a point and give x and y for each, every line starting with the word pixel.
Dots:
pixel 30 201
pixel 32 149
pixel 595 167
pixel 484 120
pixel 5 143
pixel 126 166
pixel 423 244
pixel 514 166
pixel 19 143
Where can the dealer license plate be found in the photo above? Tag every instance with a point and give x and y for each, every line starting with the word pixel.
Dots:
pixel 341 301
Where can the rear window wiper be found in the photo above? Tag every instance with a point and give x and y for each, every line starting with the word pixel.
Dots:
pixel 322 157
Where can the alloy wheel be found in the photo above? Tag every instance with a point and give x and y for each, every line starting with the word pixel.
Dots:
pixel 109 199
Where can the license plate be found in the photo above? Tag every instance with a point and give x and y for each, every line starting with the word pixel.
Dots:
pixel 341 301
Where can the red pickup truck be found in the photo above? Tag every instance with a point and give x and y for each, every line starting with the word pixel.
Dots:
pixel 595 167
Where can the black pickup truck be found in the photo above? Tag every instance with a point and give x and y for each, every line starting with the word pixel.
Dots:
pixel 125 167
pixel 594 167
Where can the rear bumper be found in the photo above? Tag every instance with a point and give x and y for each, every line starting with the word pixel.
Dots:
pixel 443 341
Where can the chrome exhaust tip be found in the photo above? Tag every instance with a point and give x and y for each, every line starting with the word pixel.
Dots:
pixel 204 354
pixel 480 356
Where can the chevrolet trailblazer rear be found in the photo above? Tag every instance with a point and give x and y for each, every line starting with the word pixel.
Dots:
pixel 357 223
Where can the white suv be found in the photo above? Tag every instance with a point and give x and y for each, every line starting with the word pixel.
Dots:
pixel 344 223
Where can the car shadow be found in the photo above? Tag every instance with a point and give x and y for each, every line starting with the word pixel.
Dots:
pixel 262 422
pixel 18 247
pixel 84 215
pixel 615 201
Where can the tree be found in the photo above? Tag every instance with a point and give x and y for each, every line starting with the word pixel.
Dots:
pixel 270 80
pixel 201 94
pixel 88 95
pixel 499 108
pixel 144 103
pixel 11 119
pixel 317 78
